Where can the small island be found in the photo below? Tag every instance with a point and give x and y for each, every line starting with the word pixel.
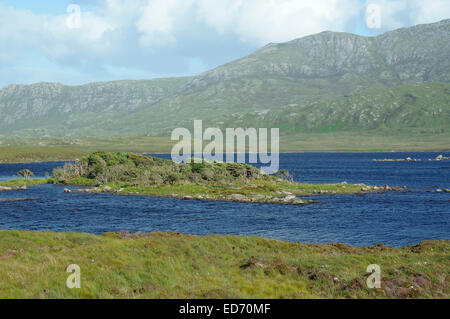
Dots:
pixel 134 174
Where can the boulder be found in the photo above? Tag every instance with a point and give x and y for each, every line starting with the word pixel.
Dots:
pixel 238 197
pixel 66 190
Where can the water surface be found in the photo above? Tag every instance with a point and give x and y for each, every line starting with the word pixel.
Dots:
pixel 393 218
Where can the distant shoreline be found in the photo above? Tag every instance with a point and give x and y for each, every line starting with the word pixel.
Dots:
pixel 42 159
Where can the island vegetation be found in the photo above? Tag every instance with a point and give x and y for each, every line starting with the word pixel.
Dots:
pixel 129 173
pixel 134 174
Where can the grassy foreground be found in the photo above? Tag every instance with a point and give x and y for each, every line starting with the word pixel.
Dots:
pixel 172 265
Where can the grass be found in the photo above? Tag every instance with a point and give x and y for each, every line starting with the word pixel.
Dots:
pixel 365 142
pixel 27 154
pixel 172 265
pixel 23 182
pixel 20 150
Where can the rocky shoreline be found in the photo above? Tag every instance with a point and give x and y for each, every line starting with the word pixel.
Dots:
pixel 13 188
pixel 438 158
pixel 289 199
pixel 279 197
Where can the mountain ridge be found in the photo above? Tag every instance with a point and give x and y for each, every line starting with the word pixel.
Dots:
pixel 321 67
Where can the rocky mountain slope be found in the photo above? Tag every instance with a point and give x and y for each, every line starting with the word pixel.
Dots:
pixel 327 79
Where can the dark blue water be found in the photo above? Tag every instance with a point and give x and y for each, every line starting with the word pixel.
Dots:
pixel 393 218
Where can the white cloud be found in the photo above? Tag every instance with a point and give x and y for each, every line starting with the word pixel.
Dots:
pixel 276 21
pixel 157 22
pixel 50 35
pixel 402 13
pixel 392 13
pixel 179 35
pixel 423 11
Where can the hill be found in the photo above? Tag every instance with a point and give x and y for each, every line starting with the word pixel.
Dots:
pixel 396 82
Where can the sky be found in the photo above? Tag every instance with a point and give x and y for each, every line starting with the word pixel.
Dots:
pixel 80 41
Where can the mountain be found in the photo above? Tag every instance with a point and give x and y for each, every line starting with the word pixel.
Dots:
pixel 54 107
pixel 328 81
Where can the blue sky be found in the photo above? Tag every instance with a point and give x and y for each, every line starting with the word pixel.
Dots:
pixel 135 39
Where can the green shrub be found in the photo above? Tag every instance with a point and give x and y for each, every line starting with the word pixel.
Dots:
pixel 25 173
pixel 103 167
pixel 197 167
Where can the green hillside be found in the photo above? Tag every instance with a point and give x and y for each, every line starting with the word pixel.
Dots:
pixel 418 108
pixel 396 83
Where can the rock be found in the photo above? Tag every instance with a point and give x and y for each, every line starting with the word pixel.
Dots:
pixel 187 197
pixel 289 198
pixel 439 190
pixel 5 188
pixel 439 158
pixel 447 190
pixel 238 197
pixel 408 159
pixel 66 190
pixel 107 188
pixel 258 197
